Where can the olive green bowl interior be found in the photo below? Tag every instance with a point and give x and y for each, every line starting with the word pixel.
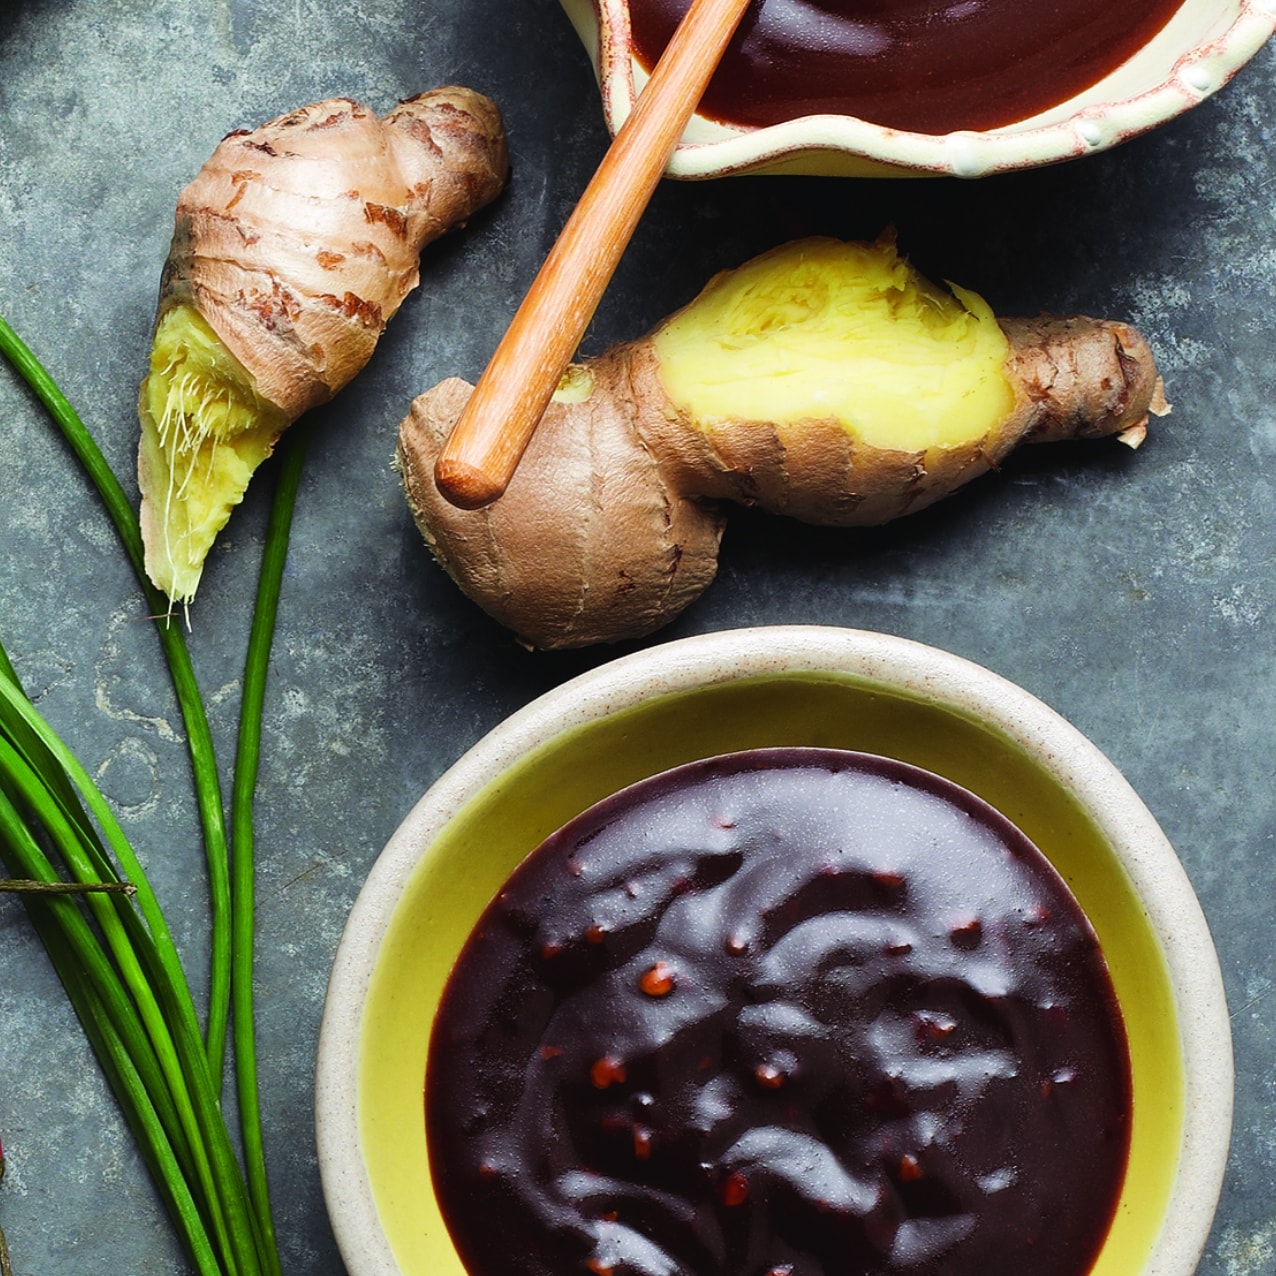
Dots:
pixel 737 690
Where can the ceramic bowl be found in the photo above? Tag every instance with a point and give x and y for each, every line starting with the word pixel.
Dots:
pixel 795 685
pixel 1195 54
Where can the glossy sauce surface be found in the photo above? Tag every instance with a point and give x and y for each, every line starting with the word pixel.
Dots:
pixel 785 1013
pixel 929 66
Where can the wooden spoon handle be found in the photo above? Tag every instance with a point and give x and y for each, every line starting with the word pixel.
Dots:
pixel 489 438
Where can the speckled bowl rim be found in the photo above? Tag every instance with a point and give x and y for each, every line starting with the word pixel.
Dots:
pixel 827 143
pixel 710 659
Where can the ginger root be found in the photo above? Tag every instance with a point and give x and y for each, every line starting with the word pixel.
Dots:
pixel 293 247
pixel 823 380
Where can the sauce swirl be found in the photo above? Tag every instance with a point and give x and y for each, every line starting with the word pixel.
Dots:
pixel 929 66
pixel 785 1013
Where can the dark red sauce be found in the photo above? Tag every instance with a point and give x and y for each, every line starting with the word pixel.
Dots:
pixel 930 66
pixel 784 1013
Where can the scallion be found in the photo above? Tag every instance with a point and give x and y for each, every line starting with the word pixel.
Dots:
pixel 90 902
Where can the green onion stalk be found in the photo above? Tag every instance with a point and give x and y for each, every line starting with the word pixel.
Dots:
pixel 89 900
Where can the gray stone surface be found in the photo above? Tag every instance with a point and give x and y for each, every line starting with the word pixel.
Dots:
pixel 1133 592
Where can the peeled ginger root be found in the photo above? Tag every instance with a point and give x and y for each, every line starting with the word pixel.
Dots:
pixel 292 249
pixel 824 380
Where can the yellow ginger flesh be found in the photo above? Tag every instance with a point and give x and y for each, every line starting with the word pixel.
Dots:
pixel 205 430
pixel 825 330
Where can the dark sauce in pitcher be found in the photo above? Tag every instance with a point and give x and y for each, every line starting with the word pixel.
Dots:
pixel 785 1013
pixel 930 66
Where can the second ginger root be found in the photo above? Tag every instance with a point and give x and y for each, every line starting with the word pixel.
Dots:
pixel 824 380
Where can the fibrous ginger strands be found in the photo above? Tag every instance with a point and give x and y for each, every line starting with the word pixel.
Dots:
pixel 292 248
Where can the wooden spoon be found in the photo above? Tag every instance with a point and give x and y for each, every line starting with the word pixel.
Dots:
pixel 490 436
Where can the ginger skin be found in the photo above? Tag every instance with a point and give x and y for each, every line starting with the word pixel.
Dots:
pixel 292 248
pixel 892 394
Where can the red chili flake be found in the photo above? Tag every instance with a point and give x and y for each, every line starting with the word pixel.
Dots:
pixel 642 1142
pixel 889 878
pixel 735 1189
pixel 550 949
pixel 900 948
pixel 658 981
pixel 966 935
pixel 768 1076
pixel 737 944
pixel 594 933
pixel 930 1025
pixel 598 1267
pixel 550 1052
pixel 486 1170
pixel 607 1071
pixel 910 1169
